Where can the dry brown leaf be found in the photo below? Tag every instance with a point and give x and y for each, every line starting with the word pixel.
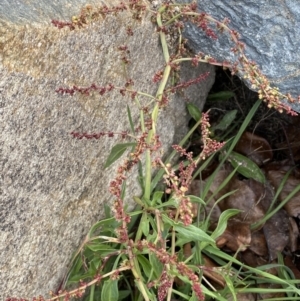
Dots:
pixel 289 263
pixel 276 231
pixel 255 148
pixel 243 297
pixel 268 296
pixel 274 235
pixel 264 192
pixel 284 165
pixel 237 236
pixel 251 259
pixel 209 271
pixel 246 200
pixel 258 243
pixel 294 234
pixel 218 180
pixel 293 206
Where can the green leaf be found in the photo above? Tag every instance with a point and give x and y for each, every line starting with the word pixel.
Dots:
pixel 230 285
pixel 156 198
pixel 222 223
pixel 145 226
pixel 193 233
pixel 110 290
pixel 193 298
pixel 76 266
pixel 108 224
pixel 124 294
pixel 107 211
pixel 170 203
pixel 156 265
pixel 145 265
pixel 194 111
pixel 195 199
pixel 223 95
pixel 77 277
pixel 190 232
pixel 100 247
pixel 225 121
pixel 116 152
pixel 130 120
pixel 215 295
pixel 94 265
pixel 180 241
pixel 246 167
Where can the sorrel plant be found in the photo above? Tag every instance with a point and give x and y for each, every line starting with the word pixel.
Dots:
pixel 141 254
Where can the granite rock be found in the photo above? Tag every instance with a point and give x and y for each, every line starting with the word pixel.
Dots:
pixel 52 187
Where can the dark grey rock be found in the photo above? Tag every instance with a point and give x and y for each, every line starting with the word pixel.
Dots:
pixel 52 187
pixel 270 29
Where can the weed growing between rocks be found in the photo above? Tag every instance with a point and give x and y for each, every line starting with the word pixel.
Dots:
pixel 161 250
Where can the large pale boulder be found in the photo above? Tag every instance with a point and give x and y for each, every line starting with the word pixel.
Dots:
pixel 52 187
pixel 270 31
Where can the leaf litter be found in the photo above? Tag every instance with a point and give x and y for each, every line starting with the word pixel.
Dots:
pixel 266 187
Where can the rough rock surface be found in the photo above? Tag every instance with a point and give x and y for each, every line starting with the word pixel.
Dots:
pixel 270 29
pixel 52 187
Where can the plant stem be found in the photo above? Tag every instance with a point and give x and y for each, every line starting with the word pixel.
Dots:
pixel 159 94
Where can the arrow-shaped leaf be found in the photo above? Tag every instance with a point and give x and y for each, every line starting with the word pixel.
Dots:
pixel 226 121
pixel 246 167
pixel 116 152
pixel 223 95
pixel 110 291
pixel 194 111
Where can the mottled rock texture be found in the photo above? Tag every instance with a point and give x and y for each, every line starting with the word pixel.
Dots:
pixel 52 187
pixel 270 29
